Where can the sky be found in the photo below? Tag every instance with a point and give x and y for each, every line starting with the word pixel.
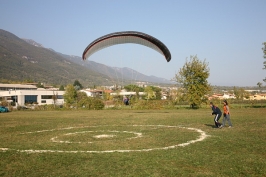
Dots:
pixel 227 34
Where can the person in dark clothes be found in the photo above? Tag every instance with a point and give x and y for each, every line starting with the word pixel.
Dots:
pixel 126 100
pixel 217 112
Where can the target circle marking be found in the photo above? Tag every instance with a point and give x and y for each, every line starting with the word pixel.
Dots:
pixel 201 137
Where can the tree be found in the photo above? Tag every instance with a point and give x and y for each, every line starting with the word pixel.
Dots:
pixel 193 79
pixel 237 93
pixel 70 95
pixel 40 85
pixel 150 94
pixel 153 93
pixel 241 93
pixel 86 102
pixel 176 96
pixel 61 88
pixel 77 85
pixel 82 99
pixel 54 97
pixel 157 91
pixel 133 88
pixel 259 84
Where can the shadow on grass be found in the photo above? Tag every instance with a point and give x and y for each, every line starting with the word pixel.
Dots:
pixel 210 125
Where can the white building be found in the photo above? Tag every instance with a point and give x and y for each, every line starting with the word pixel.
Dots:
pixel 93 93
pixel 21 95
pixel 228 96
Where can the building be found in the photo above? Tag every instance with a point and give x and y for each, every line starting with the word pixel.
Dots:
pixel 258 97
pixel 8 87
pixel 222 96
pixel 93 93
pixel 21 95
pixel 125 93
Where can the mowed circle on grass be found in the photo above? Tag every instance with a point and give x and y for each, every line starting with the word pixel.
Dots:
pixel 106 139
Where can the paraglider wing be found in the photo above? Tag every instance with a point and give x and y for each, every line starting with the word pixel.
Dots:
pixel 126 37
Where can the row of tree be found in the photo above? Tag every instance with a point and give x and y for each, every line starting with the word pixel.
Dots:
pixel 192 79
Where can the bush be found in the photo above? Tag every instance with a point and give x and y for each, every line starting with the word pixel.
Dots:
pixel 96 104
pixel 4 103
pixel 91 103
pixel 19 108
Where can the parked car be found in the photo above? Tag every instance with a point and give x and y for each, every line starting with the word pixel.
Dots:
pixel 3 109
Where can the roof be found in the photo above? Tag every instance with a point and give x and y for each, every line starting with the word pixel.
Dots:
pixel 17 86
pixel 108 91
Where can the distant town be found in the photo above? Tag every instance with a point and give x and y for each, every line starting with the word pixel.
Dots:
pixel 24 94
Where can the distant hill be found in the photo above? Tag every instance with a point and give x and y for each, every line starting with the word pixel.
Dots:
pixel 25 59
pixel 116 73
pixel 20 61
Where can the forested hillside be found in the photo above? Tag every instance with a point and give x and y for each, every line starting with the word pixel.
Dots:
pixel 21 61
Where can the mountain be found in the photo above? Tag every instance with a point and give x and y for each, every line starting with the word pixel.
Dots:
pixel 32 42
pixel 116 73
pixel 25 59
pixel 21 61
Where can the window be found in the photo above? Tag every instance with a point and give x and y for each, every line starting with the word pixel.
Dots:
pixel 47 97
pixel 30 99
pixel 51 96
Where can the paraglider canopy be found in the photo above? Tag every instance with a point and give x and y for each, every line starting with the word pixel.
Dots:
pixel 126 37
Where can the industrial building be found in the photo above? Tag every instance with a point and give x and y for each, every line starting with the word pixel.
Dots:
pixel 21 95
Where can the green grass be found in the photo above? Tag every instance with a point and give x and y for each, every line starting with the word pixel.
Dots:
pixel 237 151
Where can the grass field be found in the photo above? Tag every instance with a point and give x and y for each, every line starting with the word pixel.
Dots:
pixel 159 143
